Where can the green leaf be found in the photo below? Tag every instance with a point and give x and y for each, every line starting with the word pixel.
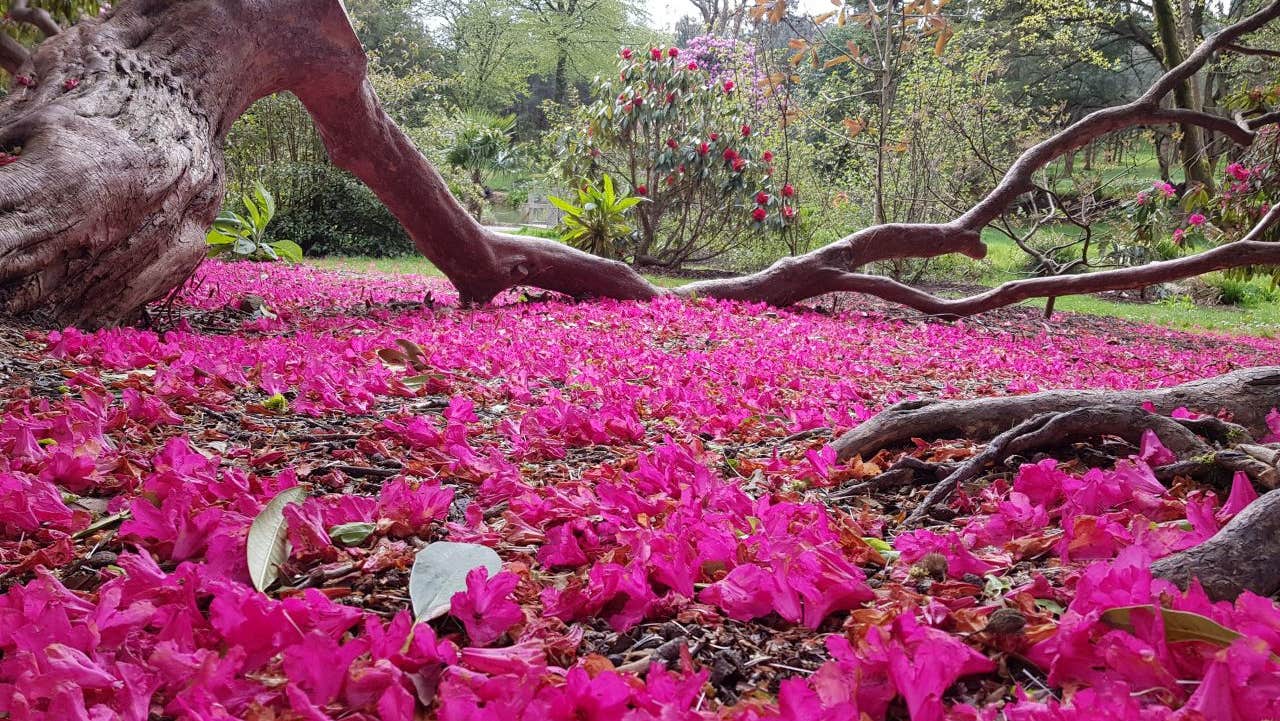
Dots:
pixel 244 246
pixel 265 201
pixel 1046 604
pixel 879 544
pixel 267 545
pixel 233 223
pixel 277 403
pixel 1178 625
pixel 217 237
pixel 288 250
pixel 608 190
pixel 564 205
pixel 101 523
pixel 255 215
pixel 440 570
pixel 352 534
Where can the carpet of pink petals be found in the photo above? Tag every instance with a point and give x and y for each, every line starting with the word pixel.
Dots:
pixel 666 530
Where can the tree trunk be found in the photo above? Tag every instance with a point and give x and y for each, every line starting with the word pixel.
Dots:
pixel 121 168
pixel 1195 166
pixel 562 72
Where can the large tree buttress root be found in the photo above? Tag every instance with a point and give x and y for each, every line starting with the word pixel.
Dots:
pixel 120 122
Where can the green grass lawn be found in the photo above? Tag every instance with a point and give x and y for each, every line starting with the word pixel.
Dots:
pixel 1260 320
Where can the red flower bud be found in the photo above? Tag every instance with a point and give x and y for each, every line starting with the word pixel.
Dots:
pixel 693 65
pixel 730 154
pixel 595 152
pixel 715 137
pixel 25 81
pixel 638 101
pixel 768 156
pixel 70 84
pixel 628 108
pixel 746 130
pixel 788 190
pixel 6 159
pixel 655 53
pixel 642 190
pixel 673 52
pixel 729 86
pixel 762 198
pixel 671 143
pixel 703 148
pixel 671 98
pixel 788 212
pixel 671 180
pixel 681 168
pixel 739 164
pixel 759 214
pixel 626 53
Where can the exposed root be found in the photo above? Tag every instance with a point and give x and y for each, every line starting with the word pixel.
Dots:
pixel 1247 395
pixel 1051 430
pixel 1243 556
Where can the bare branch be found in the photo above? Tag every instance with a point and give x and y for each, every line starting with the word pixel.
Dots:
pixel 1145 110
pixel 1270 118
pixel 12 54
pixel 37 17
pixel 1258 52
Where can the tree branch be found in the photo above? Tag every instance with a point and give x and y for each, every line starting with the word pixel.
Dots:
pixel 12 54
pixel 36 17
pixel 1245 50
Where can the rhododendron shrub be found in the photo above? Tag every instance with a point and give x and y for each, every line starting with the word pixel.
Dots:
pixel 638 491
pixel 683 137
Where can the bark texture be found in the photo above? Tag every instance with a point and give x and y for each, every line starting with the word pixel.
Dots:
pixel 1243 556
pixel 121 171
pixel 1248 395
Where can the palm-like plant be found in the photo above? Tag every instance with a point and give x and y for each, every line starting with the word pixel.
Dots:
pixel 483 147
pixel 598 224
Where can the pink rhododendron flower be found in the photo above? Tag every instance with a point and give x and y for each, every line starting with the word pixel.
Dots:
pixel 410 508
pixel 485 608
pixel 1273 425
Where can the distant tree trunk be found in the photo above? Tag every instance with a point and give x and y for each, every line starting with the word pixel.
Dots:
pixel 1195 165
pixel 562 72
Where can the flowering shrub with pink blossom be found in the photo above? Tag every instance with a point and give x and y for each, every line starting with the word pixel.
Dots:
pixel 681 137
pixel 671 550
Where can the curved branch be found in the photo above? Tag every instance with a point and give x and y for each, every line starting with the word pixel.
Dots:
pixel 1144 110
pixel 1241 133
pixel 363 140
pixel 12 55
pixel 1248 395
pixel 39 18
pixel 1246 50
pixel 1270 118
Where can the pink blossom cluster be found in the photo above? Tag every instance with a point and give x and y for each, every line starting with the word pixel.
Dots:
pixel 620 457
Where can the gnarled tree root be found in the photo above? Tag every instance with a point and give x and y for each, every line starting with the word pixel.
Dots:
pixel 1050 430
pixel 1247 394
pixel 1244 555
